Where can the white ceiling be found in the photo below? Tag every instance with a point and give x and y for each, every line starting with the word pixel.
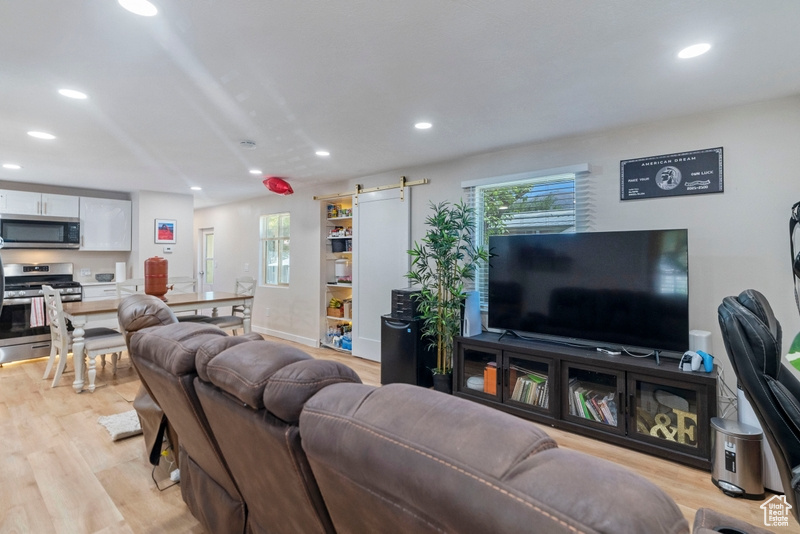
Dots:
pixel 171 97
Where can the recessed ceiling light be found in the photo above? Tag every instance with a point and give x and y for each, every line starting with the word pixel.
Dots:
pixel 12 166
pixel 71 93
pixel 694 50
pixel 196 188
pixel 423 125
pixel 322 153
pixel 139 7
pixel 255 171
pixel 41 135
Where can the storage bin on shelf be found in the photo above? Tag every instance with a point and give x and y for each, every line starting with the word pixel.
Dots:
pixel 341 245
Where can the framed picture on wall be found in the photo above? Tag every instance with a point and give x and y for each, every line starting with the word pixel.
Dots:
pixel 165 231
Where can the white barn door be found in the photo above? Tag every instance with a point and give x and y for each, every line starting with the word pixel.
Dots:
pixel 382 234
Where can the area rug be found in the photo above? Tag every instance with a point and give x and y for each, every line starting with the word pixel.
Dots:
pixel 121 425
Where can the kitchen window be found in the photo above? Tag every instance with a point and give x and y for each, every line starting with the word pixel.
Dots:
pixel 274 231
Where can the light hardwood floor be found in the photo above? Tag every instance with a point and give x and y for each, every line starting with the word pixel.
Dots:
pixel 61 472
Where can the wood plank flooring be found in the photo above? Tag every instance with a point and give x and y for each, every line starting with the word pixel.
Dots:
pixel 61 472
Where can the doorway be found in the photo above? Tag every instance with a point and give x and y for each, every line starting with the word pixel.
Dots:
pixel 206 264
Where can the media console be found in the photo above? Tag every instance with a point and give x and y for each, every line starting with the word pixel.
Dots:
pixel 628 401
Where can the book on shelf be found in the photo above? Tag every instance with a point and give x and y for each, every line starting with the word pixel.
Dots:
pixel 594 408
pixel 490 378
pixel 517 390
pixel 571 396
pixel 546 395
pixel 612 407
pixel 609 415
pixel 529 388
pixel 580 403
pixel 593 404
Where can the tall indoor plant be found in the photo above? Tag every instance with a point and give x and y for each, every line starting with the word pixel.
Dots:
pixel 440 264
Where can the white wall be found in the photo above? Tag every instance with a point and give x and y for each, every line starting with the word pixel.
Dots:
pixel 149 206
pixel 737 239
pixel 289 312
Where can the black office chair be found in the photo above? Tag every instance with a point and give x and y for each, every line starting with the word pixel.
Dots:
pixel 752 337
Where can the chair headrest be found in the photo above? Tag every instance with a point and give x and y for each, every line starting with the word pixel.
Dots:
pixel 759 307
pixel 267 374
pixel 750 329
pixel 141 311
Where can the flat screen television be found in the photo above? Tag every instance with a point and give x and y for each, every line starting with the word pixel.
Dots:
pixel 625 289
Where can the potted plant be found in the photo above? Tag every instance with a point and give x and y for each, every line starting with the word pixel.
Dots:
pixel 440 265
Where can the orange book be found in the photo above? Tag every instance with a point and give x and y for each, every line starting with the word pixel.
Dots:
pixel 490 380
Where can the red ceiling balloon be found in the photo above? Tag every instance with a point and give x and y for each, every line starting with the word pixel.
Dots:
pixel 278 185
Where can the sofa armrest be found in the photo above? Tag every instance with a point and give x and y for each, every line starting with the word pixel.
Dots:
pixel 422 461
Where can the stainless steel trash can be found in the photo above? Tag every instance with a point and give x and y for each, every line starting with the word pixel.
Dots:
pixel 736 465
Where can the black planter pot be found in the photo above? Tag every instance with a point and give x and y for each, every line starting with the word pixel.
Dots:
pixel 443 382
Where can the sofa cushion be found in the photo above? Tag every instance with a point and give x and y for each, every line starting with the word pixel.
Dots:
pixel 287 391
pixel 243 370
pixel 177 345
pixel 211 349
pixel 141 311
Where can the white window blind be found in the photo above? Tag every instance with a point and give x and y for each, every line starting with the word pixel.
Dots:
pixel 528 203
pixel 274 231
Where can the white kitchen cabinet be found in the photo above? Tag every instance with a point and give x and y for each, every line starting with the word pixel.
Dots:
pixel 99 291
pixel 30 203
pixel 105 224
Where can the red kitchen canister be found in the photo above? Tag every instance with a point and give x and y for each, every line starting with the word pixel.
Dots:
pixel 155 277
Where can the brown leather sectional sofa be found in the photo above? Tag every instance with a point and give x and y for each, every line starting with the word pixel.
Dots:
pixel 272 440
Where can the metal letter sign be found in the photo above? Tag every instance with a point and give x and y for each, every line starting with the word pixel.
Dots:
pixel 687 173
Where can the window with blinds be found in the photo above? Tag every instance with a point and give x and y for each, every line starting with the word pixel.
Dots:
pixel 274 231
pixel 536 203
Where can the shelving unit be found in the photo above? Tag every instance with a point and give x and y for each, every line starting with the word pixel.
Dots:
pixel 337 253
pixel 632 402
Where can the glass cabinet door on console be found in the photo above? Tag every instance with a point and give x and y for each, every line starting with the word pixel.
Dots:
pixel 667 413
pixel 529 383
pixel 478 372
pixel 593 397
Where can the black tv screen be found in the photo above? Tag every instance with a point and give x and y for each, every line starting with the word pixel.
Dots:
pixel 626 289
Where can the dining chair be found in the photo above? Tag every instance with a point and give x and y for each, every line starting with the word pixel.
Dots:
pixel 130 287
pixel 245 285
pixel 182 285
pixel 98 341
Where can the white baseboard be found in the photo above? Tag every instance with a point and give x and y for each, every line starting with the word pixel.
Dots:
pixel 309 342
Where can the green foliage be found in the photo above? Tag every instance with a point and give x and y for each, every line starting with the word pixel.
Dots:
pixel 440 264
pixel 496 204
pixel 501 204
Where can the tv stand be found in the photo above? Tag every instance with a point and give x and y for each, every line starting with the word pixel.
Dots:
pixel 632 402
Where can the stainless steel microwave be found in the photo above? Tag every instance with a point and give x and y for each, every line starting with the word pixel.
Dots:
pixel 36 231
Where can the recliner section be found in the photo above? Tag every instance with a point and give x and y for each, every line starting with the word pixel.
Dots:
pixel 253 396
pixel 165 360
